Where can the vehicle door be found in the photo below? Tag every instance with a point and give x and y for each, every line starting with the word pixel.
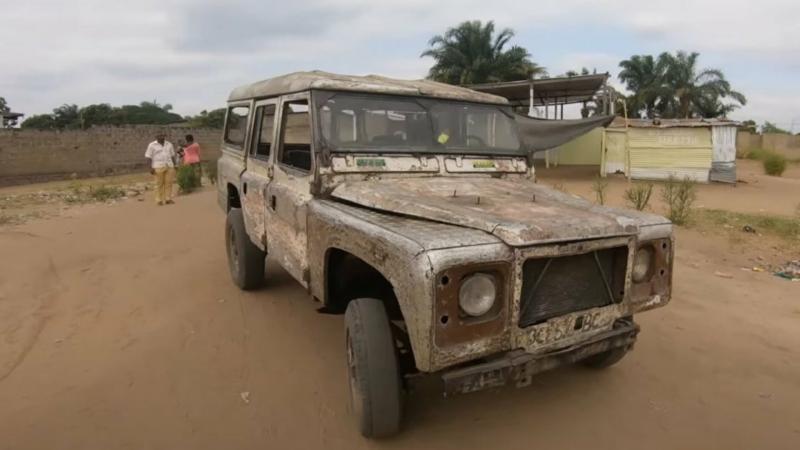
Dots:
pixel 259 170
pixel 231 163
pixel 290 189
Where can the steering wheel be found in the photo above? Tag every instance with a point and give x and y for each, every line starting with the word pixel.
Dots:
pixel 480 140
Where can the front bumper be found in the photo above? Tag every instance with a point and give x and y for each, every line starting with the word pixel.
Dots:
pixel 518 367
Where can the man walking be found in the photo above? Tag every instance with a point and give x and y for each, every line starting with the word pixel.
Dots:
pixel 160 156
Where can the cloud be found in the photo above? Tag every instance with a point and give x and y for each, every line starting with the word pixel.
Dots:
pixel 192 52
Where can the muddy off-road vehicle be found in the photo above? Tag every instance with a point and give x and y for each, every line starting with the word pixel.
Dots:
pixel 411 207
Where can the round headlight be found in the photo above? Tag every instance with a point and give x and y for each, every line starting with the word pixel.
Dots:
pixel 641 263
pixel 477 294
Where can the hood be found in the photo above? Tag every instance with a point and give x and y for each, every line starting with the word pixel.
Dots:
pixel 519 212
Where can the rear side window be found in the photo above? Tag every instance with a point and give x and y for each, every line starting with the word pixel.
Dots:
pixel 296 136
pixel 236 125
pixel 262 134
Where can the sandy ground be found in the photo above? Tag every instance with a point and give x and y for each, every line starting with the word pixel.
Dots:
pixel 120 329
pixel 754 193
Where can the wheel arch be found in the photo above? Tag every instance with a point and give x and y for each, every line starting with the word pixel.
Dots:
pixel 233 200
pixel 348 277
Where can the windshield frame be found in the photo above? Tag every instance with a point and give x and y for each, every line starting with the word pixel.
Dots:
pixel 320 97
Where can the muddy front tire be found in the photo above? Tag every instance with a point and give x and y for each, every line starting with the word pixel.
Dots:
pixel 372 369
pixel 245 260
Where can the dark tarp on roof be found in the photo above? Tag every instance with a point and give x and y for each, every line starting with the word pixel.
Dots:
pixel 542 134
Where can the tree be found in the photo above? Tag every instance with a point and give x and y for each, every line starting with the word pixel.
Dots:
pixel 39 122
pixel 749 126
pixel 208 119
pixel 643 76
pixel 99 114
pixel 72 117
pixel 66 116
pixel 4 108
pixel 696 91
pixel 673 86
pixel 770 127
pixel 472 53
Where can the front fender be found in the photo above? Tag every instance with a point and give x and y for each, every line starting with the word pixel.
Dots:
pixel 401 260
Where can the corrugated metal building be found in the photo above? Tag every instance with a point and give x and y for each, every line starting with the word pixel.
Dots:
pixel 702 149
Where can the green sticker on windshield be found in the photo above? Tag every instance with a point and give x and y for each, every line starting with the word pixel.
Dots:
pixel 483 165
pixel 370 162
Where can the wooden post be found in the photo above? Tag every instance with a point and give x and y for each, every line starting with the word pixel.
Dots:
pixel 530 97
pixel 603 171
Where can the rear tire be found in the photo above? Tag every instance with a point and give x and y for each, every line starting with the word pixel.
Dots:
pixel 245 260
pixel 373 374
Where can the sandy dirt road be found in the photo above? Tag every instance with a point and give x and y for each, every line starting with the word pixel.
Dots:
pixel 120 329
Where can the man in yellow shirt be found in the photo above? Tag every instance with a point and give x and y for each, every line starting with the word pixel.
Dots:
pixel 160 157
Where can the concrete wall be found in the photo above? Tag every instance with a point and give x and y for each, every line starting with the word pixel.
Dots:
pixel 29 155
pixel 786 144
pixel 582 151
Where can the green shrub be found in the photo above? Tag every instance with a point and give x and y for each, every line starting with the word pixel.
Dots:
pixel 757 154
pixel 639 194
pixel 103 193
pixel 679 197
pixel 188 179
pixel 599 187
pixel 774 164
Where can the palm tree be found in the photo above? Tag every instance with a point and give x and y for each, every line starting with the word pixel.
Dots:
pixel 471 53
pixel 643 76
pixel 696 92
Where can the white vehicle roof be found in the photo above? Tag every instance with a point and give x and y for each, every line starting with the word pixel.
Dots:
pixel 376 84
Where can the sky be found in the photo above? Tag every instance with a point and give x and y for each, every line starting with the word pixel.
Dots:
pixel 191 53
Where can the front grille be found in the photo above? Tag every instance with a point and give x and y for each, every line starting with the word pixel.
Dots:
pixel 555 286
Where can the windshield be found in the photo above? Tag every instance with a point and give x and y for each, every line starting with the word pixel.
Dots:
pixel 374 123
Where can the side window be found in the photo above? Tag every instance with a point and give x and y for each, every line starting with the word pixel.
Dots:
pixel 236 125
pixel 262 132
pixel 296 136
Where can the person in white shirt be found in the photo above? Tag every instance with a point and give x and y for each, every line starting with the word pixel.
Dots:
pixel 160 156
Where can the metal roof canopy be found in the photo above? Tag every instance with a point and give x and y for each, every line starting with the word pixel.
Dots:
pixel 621 122
pixel 546 91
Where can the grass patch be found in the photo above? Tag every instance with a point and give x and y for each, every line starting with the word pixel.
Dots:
pixel 105 193
pixel 679 196
pixel 757 154
pixel 638 195
pixel 787 228
pixel 188 179
pixel 774 164
pixel 599 187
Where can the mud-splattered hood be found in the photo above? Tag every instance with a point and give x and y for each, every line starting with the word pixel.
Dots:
pixel 519 212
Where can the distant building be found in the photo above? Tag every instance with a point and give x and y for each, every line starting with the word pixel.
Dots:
pixel 701 149
pixel 9 119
